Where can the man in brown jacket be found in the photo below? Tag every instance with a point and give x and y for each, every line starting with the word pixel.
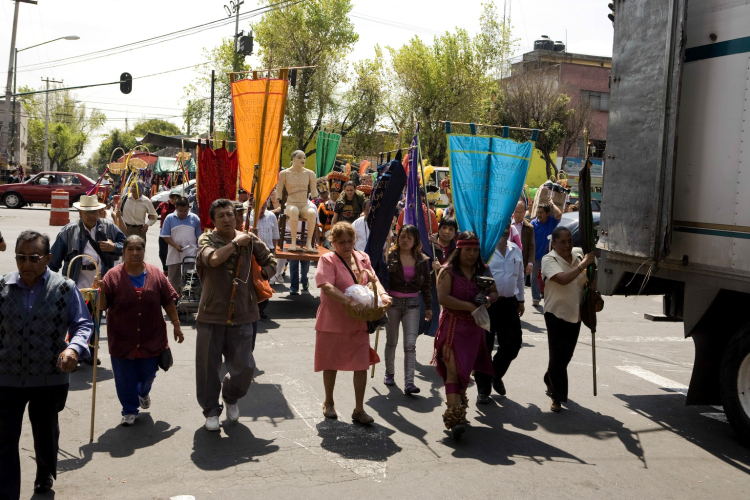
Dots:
pixel 218 253
pixel 526 230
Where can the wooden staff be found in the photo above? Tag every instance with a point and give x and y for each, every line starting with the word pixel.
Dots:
pixel 92 294
pixel 377 334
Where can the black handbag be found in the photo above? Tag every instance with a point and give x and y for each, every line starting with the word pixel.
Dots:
pixel 166 360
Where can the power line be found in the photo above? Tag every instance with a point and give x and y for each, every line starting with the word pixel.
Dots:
pixel 158 39
pixel 394 24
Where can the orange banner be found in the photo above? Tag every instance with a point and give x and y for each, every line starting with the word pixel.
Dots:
pixel 252 100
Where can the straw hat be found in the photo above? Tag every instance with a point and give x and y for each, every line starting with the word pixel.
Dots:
pixel 89 203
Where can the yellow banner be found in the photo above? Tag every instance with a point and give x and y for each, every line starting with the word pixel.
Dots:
pixel 253 101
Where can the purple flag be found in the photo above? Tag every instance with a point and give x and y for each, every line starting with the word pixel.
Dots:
pixel 414 214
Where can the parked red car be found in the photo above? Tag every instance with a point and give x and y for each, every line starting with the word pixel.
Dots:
pixel 39 188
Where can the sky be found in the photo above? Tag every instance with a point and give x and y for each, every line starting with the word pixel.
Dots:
pixel 102 24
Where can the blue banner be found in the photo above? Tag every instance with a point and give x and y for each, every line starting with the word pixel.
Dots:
pixel 487 176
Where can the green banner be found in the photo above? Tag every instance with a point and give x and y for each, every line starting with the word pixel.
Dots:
pixel 326 151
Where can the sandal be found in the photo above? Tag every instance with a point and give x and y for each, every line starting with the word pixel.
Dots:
pixel 329 411
pixel 362 417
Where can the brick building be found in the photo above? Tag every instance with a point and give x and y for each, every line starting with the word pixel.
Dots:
pixel 581 77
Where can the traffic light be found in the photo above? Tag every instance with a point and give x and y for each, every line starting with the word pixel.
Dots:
pixel 126 83
pixel 246 45
pixel 293 77
pixel 611 15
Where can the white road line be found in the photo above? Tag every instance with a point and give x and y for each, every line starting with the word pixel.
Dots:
pixel 634 338
pixel 669 385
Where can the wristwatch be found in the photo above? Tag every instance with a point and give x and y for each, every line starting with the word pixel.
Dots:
pixel 236 245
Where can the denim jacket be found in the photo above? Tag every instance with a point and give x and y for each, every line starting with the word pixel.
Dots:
pixel 421 282
pixel 71 241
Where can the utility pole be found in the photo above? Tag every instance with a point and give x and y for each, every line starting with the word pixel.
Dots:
pixel 45 158
pixel 189 112
pixel 4 136
pixel 211 117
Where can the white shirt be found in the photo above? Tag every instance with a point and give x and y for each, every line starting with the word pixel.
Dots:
pixel 362 232
pixel 86 278
pixel 508 272
pixel 564 301
pixel 135 212
pixel 268 228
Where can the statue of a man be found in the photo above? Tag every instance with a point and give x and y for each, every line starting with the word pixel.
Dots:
pixel 298 180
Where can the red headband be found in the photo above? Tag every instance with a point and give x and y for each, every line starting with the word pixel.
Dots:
pixel 471 243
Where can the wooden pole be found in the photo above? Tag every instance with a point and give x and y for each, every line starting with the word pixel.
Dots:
pixel 377 334
pixel 96 358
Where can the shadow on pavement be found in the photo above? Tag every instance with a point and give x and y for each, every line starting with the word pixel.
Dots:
pixel 232 446
pixel 265 401
pixel 357 442
pixel 528 327
pixel 119 442
pixel 669 412
pixel 82 378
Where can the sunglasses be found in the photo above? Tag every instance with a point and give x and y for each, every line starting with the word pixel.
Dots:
pixel 33 258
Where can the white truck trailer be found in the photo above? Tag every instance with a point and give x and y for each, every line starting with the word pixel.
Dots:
pixel 676 190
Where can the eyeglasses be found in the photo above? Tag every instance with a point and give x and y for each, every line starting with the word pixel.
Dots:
pixel 23 258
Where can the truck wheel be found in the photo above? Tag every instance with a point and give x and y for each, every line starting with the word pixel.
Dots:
pixel 735 383
pixel 13 200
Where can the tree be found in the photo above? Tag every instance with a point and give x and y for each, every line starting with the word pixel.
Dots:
pixel 534 100
pixel 119 138
pixel 223 60
pixel 314 33
pixel 576 122
pixel 70 127
pixel 449 80
pixel 196 115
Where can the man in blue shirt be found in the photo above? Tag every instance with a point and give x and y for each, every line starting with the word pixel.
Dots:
pixel 181 231
pixel 38 309
pixel 547 218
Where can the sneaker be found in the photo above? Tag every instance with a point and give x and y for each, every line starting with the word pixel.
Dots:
pixel 128 420
pixel 293 293
pixel 233 412
pixel 535 303
pixel 306 288
pixel 411 389
pixel 388 380
pixel 483 399
pixel 145 401
pixel 497 384
pixel 212 424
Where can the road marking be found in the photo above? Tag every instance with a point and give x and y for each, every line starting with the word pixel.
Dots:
pixel 669 385
pixel 634 338
pixel 306 403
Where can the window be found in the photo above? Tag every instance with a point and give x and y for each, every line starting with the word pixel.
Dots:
pixel 597 151
pixel 598 100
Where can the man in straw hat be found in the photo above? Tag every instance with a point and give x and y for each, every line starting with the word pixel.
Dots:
pixel 138 212
pixel 38 310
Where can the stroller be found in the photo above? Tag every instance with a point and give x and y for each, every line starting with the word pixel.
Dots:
pixel 190 289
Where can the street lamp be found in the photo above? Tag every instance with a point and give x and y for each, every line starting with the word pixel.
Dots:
pixel 15 73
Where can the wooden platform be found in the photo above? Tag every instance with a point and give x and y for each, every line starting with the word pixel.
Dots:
pixel 313 257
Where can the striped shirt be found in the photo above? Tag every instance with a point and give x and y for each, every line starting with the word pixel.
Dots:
pixel 268 228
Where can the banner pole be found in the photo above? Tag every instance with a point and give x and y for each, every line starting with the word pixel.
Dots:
pixel 428 222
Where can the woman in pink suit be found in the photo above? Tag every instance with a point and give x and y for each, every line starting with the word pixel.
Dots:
pixel 342 343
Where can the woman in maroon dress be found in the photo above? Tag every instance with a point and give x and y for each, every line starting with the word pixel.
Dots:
pixel 460 344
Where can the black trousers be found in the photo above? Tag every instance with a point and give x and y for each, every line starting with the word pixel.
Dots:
pixel 44 405
pixel 506 326
pixel 262 305
pixel 163 249
pixel 562 337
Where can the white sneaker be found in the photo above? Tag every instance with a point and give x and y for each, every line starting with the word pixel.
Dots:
pixel 233 412
pixel 212 424
pixel 145 402
pixel 128 420
pixel 535 303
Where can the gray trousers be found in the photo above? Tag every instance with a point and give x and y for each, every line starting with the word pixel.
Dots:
pixel 403 312
pixel 135 230
pixel 234 343
pixel 174 273
pixel 536 292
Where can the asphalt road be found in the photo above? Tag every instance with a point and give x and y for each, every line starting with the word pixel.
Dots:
pixel 636 439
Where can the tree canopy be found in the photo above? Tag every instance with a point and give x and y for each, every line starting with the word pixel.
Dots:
pixel 70 127
pixel 119 138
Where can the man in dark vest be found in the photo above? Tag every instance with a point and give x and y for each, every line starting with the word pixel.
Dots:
pixel 38 309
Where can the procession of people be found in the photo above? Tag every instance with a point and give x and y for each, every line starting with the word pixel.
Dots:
pixel 441 295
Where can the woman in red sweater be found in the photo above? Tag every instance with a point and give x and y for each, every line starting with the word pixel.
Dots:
pixel 134 294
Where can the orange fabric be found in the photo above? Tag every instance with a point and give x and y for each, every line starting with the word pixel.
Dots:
pixel 262 288
pixel 433 220
pixel 249 101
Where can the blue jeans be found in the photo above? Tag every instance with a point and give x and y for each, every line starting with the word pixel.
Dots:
pixel 133 378
pixel 294 271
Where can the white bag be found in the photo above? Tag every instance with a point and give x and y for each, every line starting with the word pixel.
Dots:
pixel 361 295
pixel 481 317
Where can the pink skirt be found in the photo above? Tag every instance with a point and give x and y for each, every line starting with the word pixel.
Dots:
pixel 344 351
